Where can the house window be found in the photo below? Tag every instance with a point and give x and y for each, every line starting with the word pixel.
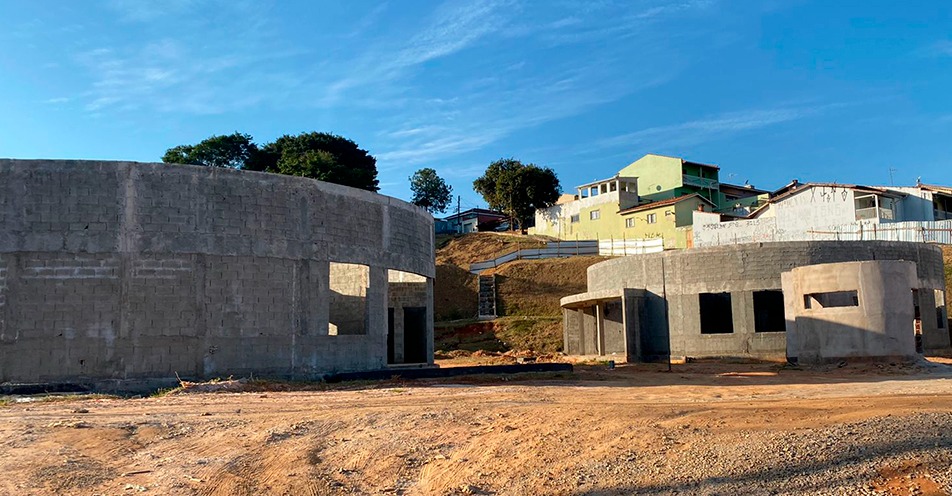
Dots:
pixel 832 299
pixel 768 311
pixel 652 218
pixel 630 222
pixel 716 314
pixel 573 219
pixel 594 215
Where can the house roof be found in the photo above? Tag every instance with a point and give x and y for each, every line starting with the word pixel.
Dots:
pixel 709 166
pixel 664 203
pixel 613 178
pixel 936 188
pixel 795 187
pixel 477 211
pixel 754 191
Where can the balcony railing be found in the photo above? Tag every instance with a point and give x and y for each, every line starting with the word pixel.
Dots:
pixel 698 182
pixel 874 213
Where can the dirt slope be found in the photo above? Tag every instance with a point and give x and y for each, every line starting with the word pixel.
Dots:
pixel 534 287
pixel 526 287
pixel 633 430
pixel 478 247
pixel 455 289
pixel 528 294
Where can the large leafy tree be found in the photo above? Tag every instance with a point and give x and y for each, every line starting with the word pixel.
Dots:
pixel 430 191
pixel 321 156
pixel 232 150
pixel 518 189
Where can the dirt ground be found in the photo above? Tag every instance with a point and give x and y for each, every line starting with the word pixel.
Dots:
pixel 701 429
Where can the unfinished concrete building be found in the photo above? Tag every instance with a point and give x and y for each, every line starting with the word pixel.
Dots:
pixel 729 301
pixel 119 270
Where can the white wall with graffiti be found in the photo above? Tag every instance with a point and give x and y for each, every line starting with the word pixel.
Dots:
pixel 821 213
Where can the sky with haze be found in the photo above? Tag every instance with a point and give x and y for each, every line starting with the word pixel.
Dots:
pixel 847 91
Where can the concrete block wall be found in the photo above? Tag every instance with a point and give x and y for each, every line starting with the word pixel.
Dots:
pixel 120 270
pixel 879 325
pixel 678 277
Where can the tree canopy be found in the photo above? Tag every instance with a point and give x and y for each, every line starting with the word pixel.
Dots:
pixel 430 191
pixel 518 189
pixel 232 150
pixel 321 156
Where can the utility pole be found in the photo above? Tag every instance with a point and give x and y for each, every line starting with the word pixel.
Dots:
pixel 459 220
pixel 891 182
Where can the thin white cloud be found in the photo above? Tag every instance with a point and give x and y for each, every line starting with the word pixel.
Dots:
pixel 453 27
pixel 211 69
pixel 57 101
pixel 711 128
pixel 148 10
pixel 941 48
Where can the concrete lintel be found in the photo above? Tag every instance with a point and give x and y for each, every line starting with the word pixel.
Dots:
pixel 590 298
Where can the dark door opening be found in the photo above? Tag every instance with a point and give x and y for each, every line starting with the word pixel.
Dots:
pixel 390 351
pixel 917 320
pixel 414 334
pixel 769 311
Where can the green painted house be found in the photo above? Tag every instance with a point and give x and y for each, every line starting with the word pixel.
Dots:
pixel 653 197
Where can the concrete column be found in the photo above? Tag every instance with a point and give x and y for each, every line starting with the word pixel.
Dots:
pixel 600 328
pixel 377 303
pixel 319 297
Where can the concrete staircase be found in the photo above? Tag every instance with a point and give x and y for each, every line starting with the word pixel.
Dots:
pixel 487 297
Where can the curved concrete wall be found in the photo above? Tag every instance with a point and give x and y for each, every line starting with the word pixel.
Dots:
pixel 680 276
pixel 129 270
pixel 851 309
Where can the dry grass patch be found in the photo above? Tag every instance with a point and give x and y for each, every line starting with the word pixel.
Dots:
pixel 534 287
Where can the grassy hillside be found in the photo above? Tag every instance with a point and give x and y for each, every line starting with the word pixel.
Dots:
pixel 534 287
pixel 454 290
pixel 528 290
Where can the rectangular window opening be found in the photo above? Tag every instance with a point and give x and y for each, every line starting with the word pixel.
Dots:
pixel 769 311
pixel 594 215
pixel 652 218
pixel 630 222
pixel 716 314
pixel 348 299
pixel 573 219
pixel 833 299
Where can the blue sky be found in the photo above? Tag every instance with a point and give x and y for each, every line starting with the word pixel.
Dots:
pixel 769 90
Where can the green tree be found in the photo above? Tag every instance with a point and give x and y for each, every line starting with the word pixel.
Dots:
pixel 430 191
pixel 233 150
pixel 321 156
pixel 518 189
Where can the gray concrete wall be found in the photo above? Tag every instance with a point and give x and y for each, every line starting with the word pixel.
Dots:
pixel 679 276
pixel 120 270
pixel 879 325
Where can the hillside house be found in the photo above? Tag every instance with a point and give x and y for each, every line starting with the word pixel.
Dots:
pixel 653 197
